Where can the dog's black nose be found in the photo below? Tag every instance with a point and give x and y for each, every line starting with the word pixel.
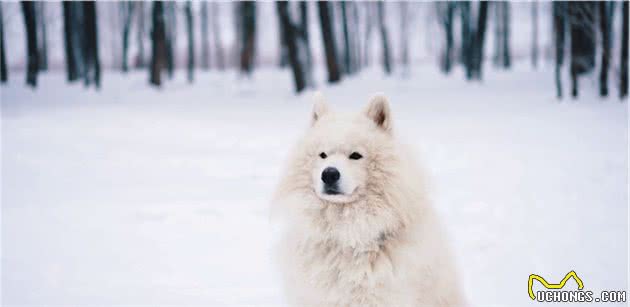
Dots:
pixel 330 175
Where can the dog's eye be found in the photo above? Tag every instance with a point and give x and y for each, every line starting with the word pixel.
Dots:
pixel 356 156
pixel 323 155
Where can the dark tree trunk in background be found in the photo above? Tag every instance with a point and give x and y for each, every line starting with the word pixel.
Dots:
pixel 387 59
pixel 479 39
pixel 75 39
pixel 78 37
pixel 69 28
pixel 328 35
pixel 289 32
pixel 191 41
pixel 404 35
pixel 559 29
pixel 140 58
pixel 347 59
pixel 446 10
pixel 467 39
pixel 158 42
pixel 4 75
pixel 218 45
pixel 582 26
pixel 205 41
pixel 604 24
pixel 505 41
pixel 535 33
pixel 43 39
pixel 498 30
pixel 502 34
pixel 126 12
pixel 170 21
pixel 90 47
pixel 623 92
pixel 306 45
pixel 28 10
pixel 284 57
pixel 248 36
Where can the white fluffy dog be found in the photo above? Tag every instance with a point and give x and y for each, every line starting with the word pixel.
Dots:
pixel 361 231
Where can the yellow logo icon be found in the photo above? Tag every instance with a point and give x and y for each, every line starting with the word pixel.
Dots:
pixel 547 285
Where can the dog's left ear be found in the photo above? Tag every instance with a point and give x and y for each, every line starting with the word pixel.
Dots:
pixel 378 111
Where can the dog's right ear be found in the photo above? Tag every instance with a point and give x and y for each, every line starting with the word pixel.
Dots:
pixel 378 111
pixel 320 107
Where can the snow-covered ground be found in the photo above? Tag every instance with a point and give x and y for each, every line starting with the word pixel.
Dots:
pixel 133 195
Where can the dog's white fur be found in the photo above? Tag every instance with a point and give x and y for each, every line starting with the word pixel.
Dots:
pixel 379 243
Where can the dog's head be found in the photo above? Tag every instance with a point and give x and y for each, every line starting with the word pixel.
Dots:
pixel 348 177
pixel 345 152
pixel 344 158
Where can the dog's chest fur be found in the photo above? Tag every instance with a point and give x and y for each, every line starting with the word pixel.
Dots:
pixel 342 271
pixel 343 274
pixel 332 264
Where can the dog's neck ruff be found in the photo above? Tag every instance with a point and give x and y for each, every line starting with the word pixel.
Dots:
pixel 352 226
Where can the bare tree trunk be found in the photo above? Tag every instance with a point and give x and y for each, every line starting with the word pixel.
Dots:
pixel 171 36
pixel 205 42
pixel 191 41
pixel 404 36
pixel 467 47
pixel 43 39
pixel 559 26
pixel 78 37
pixel 498 30
pixel 70 28
pixel 126 11
pixel 582 26
pixel 158 38
pixel 501 56
pixel 330 49
pixel 289 33
pixel 623 92
pixel 347 59
pixel 387 60
pixel 4 75
pixel 96 62
pixel 480 33
pixel 28 10
pixel 90 47
pixel 282 48
pixel 140 58
pixel 535 33
pixel 248 36
pixel 446 11
pixel 304 36
pixel 218 44
pixel 604 24
pixel 505 49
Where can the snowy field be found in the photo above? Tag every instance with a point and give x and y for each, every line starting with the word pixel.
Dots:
pixel 133 195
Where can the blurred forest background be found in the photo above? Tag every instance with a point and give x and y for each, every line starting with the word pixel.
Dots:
pixel 142 141
pixel 161 37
